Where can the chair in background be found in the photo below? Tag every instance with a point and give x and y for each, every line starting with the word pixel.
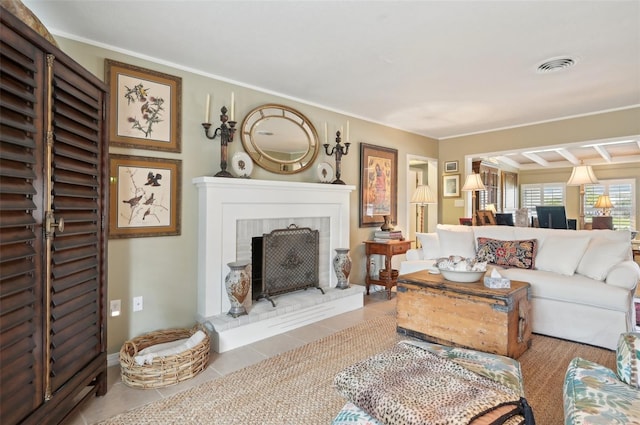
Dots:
pixel 485 218
pixel 522 217
pixel 466 221
pixel 504 219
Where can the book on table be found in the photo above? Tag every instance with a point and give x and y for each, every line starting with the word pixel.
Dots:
pixel 386 236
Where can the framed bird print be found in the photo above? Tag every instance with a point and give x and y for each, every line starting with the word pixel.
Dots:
pixel 144 196
pixel 145 107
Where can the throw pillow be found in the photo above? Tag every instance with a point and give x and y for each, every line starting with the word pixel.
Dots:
pixel 600 257
pixel 520 254
pixel 430 245
pixel 561 254
pixel 456 243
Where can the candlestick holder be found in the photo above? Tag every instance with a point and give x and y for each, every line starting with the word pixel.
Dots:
pixel 226 132
pixel 339 151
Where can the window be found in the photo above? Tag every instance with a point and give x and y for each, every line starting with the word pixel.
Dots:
pixel 541 194
pixel 622 195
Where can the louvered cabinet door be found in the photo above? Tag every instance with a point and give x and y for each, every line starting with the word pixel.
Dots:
pixel 53 177
pixel 77 177
pixel 21 240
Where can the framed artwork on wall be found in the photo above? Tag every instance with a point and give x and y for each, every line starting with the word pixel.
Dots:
pixel 145 107
pixel 451 186
pixel 378 185
pixel 144 196
pixel 451 166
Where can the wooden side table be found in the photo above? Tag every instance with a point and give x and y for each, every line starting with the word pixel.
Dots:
pixel 388 249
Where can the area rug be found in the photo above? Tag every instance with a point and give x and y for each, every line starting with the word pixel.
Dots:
pixel 296 387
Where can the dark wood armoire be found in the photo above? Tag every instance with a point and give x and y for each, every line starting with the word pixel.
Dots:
pixel 53 206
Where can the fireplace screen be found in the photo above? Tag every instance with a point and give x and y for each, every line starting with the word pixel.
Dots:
pixel 288 261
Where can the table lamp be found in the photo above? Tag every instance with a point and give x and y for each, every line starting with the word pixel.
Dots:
pixel 581 175
pixel 473 184
pixel 422 196
pixel 604 202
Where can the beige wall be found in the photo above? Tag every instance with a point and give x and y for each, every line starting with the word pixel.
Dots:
pixel 602 126
pixel 163 269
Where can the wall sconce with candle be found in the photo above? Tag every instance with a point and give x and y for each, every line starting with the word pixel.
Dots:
pixel 338 150
pixel 226 131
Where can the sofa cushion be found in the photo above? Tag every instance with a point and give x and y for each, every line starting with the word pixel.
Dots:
pixel 600 257
pixel 453 242
pixel 628 358
pixel 576 289
pixel 561 254
pixel 504 233
pixel 430 245
pixel 507 253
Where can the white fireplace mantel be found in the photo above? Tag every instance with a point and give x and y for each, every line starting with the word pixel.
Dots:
pixel 224 201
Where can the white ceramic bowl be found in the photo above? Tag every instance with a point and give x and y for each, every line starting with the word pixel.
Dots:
pixel 461 276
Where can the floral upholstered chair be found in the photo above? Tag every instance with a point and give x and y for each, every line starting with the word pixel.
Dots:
pixel 594 394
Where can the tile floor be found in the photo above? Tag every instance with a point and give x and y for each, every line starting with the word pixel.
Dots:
pixel 121 398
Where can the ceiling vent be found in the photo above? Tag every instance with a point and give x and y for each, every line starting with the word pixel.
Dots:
pixel 555 64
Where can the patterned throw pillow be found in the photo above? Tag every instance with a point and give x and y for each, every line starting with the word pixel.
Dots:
pixel 520 254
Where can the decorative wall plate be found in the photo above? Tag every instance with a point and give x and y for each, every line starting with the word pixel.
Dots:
pixel 242 164
pixel 325 172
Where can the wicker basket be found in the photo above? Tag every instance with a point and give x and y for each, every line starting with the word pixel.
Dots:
pixel 165 370
pixel 384 274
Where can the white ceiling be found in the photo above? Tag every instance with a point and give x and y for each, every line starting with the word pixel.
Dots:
pixel 435 68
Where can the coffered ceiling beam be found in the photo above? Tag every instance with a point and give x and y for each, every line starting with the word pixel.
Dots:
pixel 536 158
pixel 508 161
pixel 568 156
pixel 603 153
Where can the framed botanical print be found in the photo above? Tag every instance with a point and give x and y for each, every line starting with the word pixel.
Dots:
pixel 145 107
pixel 451 186
pixel 144 196
pixel 378 184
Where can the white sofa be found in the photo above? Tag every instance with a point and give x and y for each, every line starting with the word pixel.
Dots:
pixel 582 282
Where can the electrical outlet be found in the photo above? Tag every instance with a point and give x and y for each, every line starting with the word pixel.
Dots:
pixel 115 308
pixel 137 303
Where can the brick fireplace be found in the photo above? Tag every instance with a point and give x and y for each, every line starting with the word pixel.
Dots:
pixel 231 212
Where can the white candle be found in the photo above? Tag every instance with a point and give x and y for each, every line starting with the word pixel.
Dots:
pixel 233 106
pixel 206 109
pixel 347 138
pixel 326 131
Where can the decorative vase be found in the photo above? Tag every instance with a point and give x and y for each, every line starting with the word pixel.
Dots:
pixel 237 283
pixel 386 226
pixel 342 267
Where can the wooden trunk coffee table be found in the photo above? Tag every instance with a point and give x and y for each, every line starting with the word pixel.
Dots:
pixel 468 315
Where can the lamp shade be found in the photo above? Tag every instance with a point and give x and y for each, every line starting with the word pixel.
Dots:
pixel 473 183
pixel 603 202
pixel 582 174
pixel 423 195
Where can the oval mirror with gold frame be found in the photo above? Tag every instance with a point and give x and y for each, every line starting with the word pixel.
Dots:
pixel 279 139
